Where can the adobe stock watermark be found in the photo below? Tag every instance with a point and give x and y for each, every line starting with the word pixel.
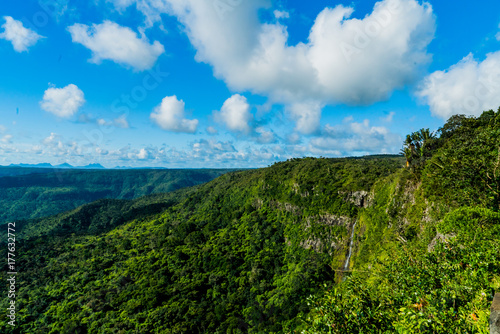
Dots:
pixel 223 7
pixel 11 273
pixel 372 29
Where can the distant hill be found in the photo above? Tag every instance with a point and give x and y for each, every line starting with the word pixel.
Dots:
pixel 61 166
pixel 93 166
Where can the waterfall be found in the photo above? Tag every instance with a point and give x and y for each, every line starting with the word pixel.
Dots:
pixel 346 265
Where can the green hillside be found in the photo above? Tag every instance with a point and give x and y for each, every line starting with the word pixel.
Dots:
pixel 43 192
pixel 264 251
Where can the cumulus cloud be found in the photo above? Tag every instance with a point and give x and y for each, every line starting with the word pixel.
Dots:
pixel 21 38
pixel 355 138
pixel 169 115
pixel 63 102
pixel 144 154
pixel 345 60
pixel 110 41
pixel 235 114
pixel 469 87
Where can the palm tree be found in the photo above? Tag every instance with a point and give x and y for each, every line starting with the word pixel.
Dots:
pixel 425 136
pixel 408 153
pixel 415 145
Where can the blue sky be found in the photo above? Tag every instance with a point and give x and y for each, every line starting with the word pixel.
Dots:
pixel 236 83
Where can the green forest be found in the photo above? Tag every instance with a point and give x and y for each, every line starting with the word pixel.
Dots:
pixel 377 244
pixel 27 193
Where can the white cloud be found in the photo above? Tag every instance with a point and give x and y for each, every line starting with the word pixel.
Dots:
pixel 110 41
pixel 280 14
pixel 20 37
pixel 204 148
pixel 56 146
pixel 350 61
pixel 294 138
pixel 265 136
pixel 469 87
pixel 50 140
pixel 2 128
pixel 121 4
pixel 307 116
pixel 355 138
pixel 212 131
pixel 235 114
pixel 152 9
pixel 169 115
pixel 120 122
pixel 6 139
pixel 144 154
pixel 63 102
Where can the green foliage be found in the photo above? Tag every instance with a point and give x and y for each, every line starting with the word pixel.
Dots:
pixel 405 283
pixel 466 170
pixel 418 148
pixel 469 222
pixel 45 192
pixel 446 290
pixel 239 254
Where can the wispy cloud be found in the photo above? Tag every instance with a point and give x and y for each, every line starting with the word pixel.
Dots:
pixel 120 122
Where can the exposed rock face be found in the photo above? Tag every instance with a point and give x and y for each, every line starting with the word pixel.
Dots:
pixel 319 244
pixel 286 207
pixel 362 198
pixel 330 220
pixel 495 315
pixel 439 237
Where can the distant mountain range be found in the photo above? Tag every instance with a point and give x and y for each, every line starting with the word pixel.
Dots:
pixel 61 166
